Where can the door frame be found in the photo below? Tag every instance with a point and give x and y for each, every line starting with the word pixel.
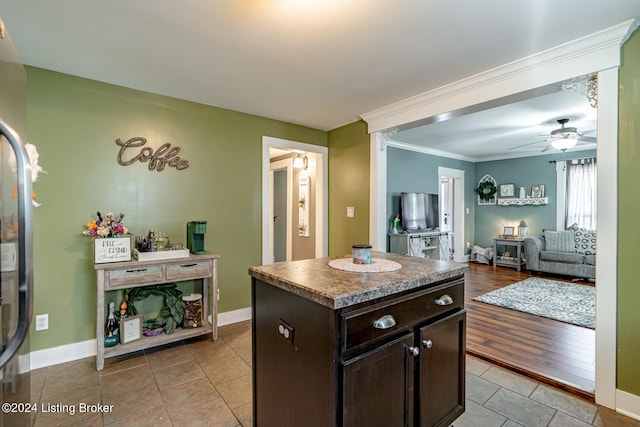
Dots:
pixel 458 209
pixel 597 53
pixel 322 198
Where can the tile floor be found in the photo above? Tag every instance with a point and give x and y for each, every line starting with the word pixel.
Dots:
pixel 200 383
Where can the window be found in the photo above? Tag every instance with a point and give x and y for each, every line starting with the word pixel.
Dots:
pixel 580 203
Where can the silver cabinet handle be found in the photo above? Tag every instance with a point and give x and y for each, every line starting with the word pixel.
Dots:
pixel 414 350
pixel 444 300
pixel 385 322
pixel 427 343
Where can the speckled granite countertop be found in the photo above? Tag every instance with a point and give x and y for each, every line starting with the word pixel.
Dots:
pixel 315 280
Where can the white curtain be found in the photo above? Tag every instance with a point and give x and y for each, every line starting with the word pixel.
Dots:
pixel 581 193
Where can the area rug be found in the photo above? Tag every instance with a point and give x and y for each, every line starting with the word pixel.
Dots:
pixel 566 302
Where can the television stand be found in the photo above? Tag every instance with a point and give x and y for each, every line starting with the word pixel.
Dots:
pixel 424 244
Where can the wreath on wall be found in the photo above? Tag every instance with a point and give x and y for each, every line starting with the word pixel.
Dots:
pixel 486 190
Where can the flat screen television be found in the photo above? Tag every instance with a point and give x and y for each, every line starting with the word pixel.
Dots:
pixel 419 211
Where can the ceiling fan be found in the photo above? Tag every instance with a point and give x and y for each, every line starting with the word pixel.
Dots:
pixel 562 138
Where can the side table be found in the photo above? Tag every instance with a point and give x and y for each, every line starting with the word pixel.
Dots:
pixel 134 274
pixel 508 260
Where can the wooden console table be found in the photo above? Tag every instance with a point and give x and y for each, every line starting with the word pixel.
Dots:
pixel 512 261
pixel 134 274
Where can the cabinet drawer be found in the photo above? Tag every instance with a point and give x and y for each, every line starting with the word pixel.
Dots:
pixel 363 326
pixel 133 276
pixel 189 270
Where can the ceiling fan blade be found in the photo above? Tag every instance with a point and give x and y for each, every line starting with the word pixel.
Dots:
pixel 587 139
pixel 547 148
pixel 526 145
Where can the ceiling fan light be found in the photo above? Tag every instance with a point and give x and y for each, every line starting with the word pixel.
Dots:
pixel 564 143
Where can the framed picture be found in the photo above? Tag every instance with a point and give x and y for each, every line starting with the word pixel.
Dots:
pixel 508 231
pixel 537 190
pixel 130 329
pixel 507 190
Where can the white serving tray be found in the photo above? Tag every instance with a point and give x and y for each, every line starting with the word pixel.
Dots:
pixel 151 256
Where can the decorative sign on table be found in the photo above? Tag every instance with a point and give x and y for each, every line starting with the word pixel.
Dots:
pixel 117 249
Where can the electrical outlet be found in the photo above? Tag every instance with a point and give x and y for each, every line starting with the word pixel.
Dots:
pixel 286 331
pixel 42 322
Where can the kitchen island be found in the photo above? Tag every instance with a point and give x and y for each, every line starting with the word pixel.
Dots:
pixel 343 348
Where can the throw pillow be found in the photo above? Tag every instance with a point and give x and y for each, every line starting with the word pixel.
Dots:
pixel 585 241
pixel 561 241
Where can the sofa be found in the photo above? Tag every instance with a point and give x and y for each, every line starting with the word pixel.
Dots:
pixel 570 252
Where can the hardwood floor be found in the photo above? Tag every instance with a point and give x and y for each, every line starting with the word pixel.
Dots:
pixel 548 350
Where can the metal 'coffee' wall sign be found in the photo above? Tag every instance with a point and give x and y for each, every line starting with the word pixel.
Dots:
pixel 165 155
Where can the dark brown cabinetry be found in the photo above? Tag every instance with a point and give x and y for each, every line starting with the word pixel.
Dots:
pixel 377 387
pixel 398 360
pixel 441 371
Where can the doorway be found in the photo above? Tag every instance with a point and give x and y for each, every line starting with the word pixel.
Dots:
pixel 312 241
pixel 452 210
pixel 498 85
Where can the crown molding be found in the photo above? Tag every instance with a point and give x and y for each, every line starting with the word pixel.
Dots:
pixel 431 151
pixel 594 52
pixel 456 156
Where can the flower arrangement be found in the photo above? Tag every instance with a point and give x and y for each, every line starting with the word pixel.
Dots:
pixel 109 226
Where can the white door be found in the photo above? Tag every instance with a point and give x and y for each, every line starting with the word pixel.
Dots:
pixel 452 205
pixel 446 209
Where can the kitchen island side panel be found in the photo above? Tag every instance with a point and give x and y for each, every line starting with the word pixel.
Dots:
pixel 294 372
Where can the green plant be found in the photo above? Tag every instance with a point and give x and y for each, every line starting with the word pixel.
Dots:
pixel 172 312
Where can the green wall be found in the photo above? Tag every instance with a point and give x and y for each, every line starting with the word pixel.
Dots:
pixel 628 208
pixel 523 172
pixel 74 123
pixel 348 186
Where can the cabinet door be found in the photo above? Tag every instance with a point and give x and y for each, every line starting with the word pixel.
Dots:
pixel 378 386
pixel 442 371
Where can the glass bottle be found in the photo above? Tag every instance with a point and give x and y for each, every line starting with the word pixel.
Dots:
pixel 153 246
pixel 111 329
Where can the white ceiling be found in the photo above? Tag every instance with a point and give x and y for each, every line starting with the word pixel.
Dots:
pixel 317 63
pixel 513 130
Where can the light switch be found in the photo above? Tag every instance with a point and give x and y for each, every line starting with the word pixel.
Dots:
pixel 351 212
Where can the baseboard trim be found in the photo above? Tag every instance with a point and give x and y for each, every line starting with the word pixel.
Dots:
pixel 235 316
pixel 79 350
pixel 628 404
pixel 62 354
